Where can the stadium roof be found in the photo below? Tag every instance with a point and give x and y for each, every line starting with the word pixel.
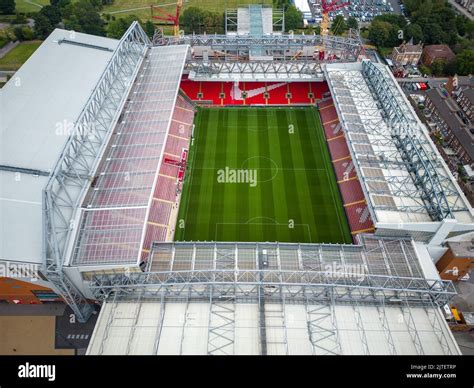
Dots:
pixel 38 108
pixel 270 298
pixel 401 172
pixel 178 328
pixel 113 216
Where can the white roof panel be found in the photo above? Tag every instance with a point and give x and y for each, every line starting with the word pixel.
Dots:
pixel 185 328
pixel 40 103
pixel 37 108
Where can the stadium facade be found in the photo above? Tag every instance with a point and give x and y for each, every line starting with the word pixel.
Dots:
pixel 97 208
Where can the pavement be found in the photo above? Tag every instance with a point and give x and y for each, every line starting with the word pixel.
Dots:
pixel 46 329
pixel 29 335
pixel 70 334
pixel 461 9
pixel 465 342
pixel 7 48
pixel 464 301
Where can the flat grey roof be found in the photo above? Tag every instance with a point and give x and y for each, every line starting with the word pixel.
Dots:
pixel 40 103
pixel 38 107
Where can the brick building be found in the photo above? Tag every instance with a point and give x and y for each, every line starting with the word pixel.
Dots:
pixel 407 53
pixel 437 52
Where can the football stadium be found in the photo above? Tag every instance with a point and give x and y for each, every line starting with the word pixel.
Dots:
pixel 273 163
pixel 254 192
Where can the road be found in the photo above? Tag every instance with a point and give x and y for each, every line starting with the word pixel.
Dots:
pixel 434 82
pixel 7 48
pixel 423 79
pixel 461 9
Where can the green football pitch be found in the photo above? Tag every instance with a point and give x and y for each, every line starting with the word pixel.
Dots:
pixel 260 174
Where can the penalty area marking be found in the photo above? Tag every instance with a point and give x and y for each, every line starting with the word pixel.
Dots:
pixel 262 224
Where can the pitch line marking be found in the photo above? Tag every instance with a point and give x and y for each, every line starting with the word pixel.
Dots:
pixel 334 138
pixel 167 176
pixel 347 180
pixel 261 223
pixel 178 137
pixel 363 230
pixel 181 122
pixel 157 224
pixel 327 106
pixel 195 141
pixel 180 107
pixel 355 203
pixel 320 134
pixel 169 154
pixel 270 168
pixel 331 121
pixel 163 200
pixel 340 159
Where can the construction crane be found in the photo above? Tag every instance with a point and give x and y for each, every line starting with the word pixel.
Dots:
pixel 166 17
pixel 325 10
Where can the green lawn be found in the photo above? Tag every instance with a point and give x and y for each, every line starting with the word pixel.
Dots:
pixel 19 55
pixel 30 5
pixel 141 8
pixel 295 197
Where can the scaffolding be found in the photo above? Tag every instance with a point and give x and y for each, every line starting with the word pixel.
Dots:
pixel 279 47
pixel 74 170
pixel 255 70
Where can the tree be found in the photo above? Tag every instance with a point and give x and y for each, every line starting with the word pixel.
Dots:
pixel 352 23
pixel 23 33
pixel 450 68
pixel 379 32
pixel 461 24
pixel 198 20
pixel 293 18
pixel 149 28
pixel 469 29
pixel 415 6
pixel 60 3
pixel 117 28
pixel 83 17
pixel 52 13
pixel 7 7
pixel 433 33
pixel 96 4
pixel 20 18
pixel 414 31
pixel 43 26
pixel 437 67
pixel 339 26
pixel 465 62
pixel 424 70
pixel 191 20
pixel 396 20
